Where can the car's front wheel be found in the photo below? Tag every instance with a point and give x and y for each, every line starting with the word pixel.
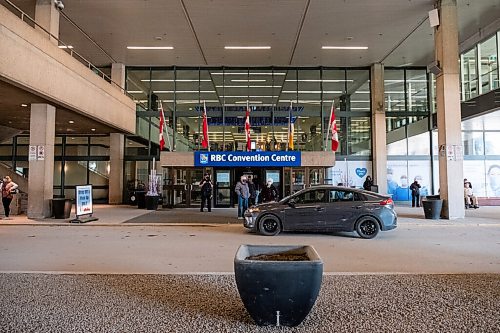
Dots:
pixel 367 227
pixel 269 225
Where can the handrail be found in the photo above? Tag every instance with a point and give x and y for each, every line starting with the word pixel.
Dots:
pixel 86 62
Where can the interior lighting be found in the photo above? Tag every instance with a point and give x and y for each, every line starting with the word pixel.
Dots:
pixel 318 80
pixel 238 80
pixel 135 91
pixel 344 47
pixel 24 105
pixel 247 47
pixel 150 47
pixel 246 73
pixel 183 91
pixel 92 129
pixel 65 46
pixel 248 86
pixel 249 102
pixel 171 80
pixel 71 122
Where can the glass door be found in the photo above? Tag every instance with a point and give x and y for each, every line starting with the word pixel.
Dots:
pixel 222 188
pixel 181 187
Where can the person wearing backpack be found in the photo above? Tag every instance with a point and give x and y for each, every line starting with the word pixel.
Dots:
pixel 206 192
pixel 9 188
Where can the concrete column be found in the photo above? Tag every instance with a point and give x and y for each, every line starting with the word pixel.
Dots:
pixel 118 75
pixel 448 112
pixel 379 133
pixel 47 15
pixel 116 148
pixel 41 160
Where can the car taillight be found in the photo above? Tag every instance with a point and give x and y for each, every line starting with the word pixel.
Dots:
pixel 387 201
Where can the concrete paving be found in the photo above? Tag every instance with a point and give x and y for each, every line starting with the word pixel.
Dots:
pixel 470 245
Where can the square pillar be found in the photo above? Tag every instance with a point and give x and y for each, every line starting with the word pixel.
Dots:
pixel 379 132
pixel 449 117
pixel 117 150
pixel 118 75
pixel 47 15
pixel 41 160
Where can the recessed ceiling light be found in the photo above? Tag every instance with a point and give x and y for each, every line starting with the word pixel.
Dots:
pixel 24 105
pixel 150 47
pixel 71 122
pixel 65 46
pixel 247 47
pixel 344 47
pixel 92 129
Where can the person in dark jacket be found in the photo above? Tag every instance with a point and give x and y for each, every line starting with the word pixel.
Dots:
pixel 243 193
pixel 367 185
pixel 269 192
pixel 206 192
pixel 251 189
pixel 415 193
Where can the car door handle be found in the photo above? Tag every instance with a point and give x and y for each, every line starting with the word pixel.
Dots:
pixel 357 207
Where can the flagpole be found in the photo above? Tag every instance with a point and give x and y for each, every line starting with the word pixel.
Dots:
pixel 206 116
pixel 289 125
pixel 165 125
pixel 329 124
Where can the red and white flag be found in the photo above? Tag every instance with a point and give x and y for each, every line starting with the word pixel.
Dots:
pixel 163 127
pixel 161 140
pixel 332 126
pixel 205 143
pixel 247 129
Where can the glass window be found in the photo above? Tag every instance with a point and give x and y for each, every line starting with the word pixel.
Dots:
pixel 416 88
pixel 419 144
pixel 99 146
pixel 469 74
pixel 75 172
pixel 473 143
pixel 77 146
pixel 357 95
pixel 489 65
pixel 336 196
pixel 394 90
pixel 311 197
pixel 359 138
pixel 491 145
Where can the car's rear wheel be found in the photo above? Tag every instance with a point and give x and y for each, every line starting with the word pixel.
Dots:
pixel 269 225
pixel 367 227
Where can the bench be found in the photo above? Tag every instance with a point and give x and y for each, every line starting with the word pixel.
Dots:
pixel 485 201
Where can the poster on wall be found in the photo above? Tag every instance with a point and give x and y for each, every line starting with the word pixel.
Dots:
pixel 400 175
pixel 349 173
pixel 83 200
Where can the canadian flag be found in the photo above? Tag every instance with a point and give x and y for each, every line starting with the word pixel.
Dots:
pixel 333 127
pixel 205 142
pixel 247 128
pixel 161 140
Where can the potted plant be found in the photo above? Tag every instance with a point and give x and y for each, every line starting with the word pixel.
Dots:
pixel 278 284
pixel 152 196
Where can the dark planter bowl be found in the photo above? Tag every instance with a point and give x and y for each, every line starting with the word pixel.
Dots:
pixel 152 202
pixel 278 292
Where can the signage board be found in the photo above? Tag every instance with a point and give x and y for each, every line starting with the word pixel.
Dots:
pixel 83 200
pixel 247 159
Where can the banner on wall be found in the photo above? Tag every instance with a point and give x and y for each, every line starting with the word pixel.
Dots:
pixel 400 175
pixel 247 159
pixel 350 173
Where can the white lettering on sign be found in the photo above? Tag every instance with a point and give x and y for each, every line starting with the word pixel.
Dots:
pixel 282 158
pixel 217 158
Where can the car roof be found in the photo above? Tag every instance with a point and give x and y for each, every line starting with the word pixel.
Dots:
pixel 341 188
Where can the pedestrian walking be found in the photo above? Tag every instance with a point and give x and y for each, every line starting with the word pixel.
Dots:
pixel 9 188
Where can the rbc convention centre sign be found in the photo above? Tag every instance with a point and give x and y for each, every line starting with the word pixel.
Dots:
pixel 247 159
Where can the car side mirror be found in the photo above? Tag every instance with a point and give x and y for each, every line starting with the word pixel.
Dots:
pixel 291 203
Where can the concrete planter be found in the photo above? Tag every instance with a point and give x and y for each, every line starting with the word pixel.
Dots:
pixel 277 292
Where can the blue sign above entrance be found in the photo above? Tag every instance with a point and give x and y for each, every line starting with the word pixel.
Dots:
pixel 247 159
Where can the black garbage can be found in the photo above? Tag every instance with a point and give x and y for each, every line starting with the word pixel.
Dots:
pixel 432 205
pixel 61 208
pixel 140 197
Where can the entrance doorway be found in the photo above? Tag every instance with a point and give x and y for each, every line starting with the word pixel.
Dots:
pixel 181 187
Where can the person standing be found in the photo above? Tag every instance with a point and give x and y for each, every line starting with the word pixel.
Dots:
pixel 415 193
pixel 243 193
pixel 8 189
pixel 269 192
pixel 367 185
pixel 206 192
pixel 251 188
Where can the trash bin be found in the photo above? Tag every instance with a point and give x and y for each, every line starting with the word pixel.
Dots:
pixel 61 208
pixel 140 197
pixel 432 205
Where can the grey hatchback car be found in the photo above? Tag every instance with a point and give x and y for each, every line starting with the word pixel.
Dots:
pixel 325 208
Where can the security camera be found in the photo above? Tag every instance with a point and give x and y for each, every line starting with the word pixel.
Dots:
pixel 59 4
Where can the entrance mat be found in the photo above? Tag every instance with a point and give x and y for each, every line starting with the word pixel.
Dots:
pixel 189 215
pixel 210 303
